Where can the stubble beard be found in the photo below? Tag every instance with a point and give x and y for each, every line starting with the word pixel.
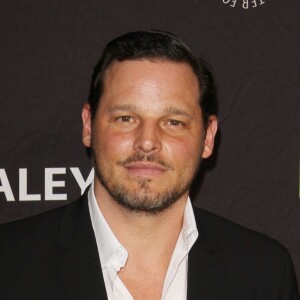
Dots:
pixel 143 199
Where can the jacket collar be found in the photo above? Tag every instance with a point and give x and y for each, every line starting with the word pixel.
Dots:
pixel 79 270
pixel 78 266
pixel 205 271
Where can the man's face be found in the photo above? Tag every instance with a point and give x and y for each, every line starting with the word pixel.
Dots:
pixel 147 136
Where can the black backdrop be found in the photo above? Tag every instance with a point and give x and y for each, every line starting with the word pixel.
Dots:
pixel 49 48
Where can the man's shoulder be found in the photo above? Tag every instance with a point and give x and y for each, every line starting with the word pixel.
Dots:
pixel 234 237
pixel 37 225
pixel 256 266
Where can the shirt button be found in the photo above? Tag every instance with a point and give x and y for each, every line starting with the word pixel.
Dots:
pixel 120 253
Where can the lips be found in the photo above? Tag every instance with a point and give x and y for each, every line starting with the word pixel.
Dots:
pixel 145 169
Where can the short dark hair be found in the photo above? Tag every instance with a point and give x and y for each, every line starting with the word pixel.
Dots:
pixel 157 46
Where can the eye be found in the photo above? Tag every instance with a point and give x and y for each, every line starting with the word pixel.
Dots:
pixel 175 123
pixel 125 119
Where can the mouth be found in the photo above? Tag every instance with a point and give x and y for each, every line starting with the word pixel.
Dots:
pixel 145 169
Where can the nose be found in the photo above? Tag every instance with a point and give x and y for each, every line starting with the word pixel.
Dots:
pixel 148 138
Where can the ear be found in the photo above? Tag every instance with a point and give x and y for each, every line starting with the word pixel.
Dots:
pixel 210 136
pixel 86 125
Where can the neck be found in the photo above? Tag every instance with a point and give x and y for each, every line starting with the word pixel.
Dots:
pixel 139 231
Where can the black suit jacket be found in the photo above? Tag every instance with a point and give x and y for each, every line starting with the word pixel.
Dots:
pixel 54 256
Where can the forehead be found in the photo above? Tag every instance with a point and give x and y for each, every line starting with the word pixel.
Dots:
pixel 141 79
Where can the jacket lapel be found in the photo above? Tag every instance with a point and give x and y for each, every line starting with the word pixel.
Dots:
pixel 79 270
pixel 78 266
pixel 206 273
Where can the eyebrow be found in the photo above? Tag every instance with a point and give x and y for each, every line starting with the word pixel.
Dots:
pixel 124 107
pixel 169 109
pixel 176 111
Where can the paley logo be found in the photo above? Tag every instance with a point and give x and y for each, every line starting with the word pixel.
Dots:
pixel 245 4
pixel 50 184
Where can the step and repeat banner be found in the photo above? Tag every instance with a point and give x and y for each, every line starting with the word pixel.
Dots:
pixel 48 51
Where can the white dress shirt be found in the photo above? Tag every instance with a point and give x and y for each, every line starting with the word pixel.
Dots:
pixel 113 255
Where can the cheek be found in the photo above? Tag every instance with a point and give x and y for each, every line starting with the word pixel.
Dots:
pixel 115 144
pixel 183 152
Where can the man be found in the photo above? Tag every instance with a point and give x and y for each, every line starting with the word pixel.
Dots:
pixel 134 234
